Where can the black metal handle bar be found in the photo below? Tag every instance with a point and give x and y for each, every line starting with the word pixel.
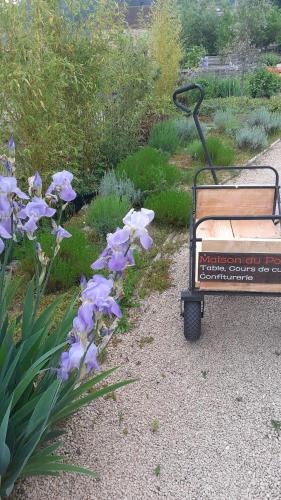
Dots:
pixel 260 167
pixel 186 88
pixel 185 109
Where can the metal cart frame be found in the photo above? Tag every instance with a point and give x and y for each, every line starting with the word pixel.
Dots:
pixel 192 299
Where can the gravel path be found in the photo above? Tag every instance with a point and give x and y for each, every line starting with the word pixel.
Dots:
pixel 210 404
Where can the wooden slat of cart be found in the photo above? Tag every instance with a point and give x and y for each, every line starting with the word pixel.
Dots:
pixel 215 228
pixel 242 245
pixel 233 200
pixel 255 229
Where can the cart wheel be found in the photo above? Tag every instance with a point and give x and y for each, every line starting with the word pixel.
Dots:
pixel 192 320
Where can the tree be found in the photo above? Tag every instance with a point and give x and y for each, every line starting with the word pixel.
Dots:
pixel 165 47
pixel 200 24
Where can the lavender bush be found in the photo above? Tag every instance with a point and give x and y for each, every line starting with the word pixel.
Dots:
pixel 44 367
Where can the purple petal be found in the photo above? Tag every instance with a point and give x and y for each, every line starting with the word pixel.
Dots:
pixel 91 358
pixel 145 239
pixel 4 233
pixel 117 262
pixel 99 264
pixel 67 193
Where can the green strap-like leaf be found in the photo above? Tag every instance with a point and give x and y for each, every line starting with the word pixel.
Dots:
pixel 27 310
pixel 73 407
pixel 56 467
pixel 73 394
pixel 4 450
pixel 42 407
pixel 45 320
pixel 33 371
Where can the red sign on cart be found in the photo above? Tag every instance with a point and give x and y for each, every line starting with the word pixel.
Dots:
pixel 239 268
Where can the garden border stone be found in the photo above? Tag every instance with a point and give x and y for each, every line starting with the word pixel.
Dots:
pixel 256 157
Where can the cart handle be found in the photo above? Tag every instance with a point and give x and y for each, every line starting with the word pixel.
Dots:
pixel 186 88
pixel 185 109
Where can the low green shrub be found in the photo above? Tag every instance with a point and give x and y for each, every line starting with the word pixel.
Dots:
pixel 170 207
pixel 149 170
pixel 260 118
pixel 220 153
pixel 251 138
pixel 262 83
pixel 275 122
pixel 220 87
pixel 186 129
pixel 164 136
pixel 263 118
pixel 76 256
pixel 119 186
pixel 226 121
pixel 270 59
pixel 106 213
pixel 210 106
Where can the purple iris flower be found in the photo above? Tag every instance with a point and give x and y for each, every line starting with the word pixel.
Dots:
pixel 61 233
pixel 136 222
pixel 119 237
pixel 97 294
pixel 36 209
pixel 62 186
pixel 91 358
pixel 11 146
pixel 117 254
pixel 8 186
pixel 83 282
pixel 84 322
pixel 101 262
pixel 70 360
pixel 35 184
pixel 29 228
pixel 6 210
pixel 8 167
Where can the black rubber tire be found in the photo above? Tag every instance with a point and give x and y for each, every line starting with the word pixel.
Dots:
pixel 192 320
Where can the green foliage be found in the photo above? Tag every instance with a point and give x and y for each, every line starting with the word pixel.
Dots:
pixel 149 170
pixel 186 129
pixel 270 59
pixel 226 121
pixel 106 213
pixel 119 186
pixel 170 207
pixel 261 117
pixel 200 24
pixel 220 153
pixel 275 122
pixel 220 87
pixel 210 106
pixel 76 256
pixel 251 138
pixel 62 90
pixel 262 83
pixel 192 56
pixel 164 136
pixel 33 400
pixel 165 48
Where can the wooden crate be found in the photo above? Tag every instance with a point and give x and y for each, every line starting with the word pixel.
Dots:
pixel 238 237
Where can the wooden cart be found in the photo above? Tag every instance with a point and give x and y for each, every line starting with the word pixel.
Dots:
pixel 235 239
